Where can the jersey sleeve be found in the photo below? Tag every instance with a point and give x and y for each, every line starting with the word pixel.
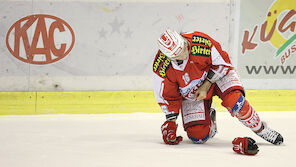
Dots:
pixel 220 63
pixel 166 90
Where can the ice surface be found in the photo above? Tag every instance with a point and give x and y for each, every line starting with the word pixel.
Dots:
pixel 134 140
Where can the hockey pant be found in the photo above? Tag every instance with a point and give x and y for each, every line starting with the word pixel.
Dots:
pixel 196 114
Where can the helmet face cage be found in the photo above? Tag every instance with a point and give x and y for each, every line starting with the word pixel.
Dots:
pixel 171 43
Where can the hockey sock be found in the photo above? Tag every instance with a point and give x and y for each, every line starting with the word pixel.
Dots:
pixel 249 117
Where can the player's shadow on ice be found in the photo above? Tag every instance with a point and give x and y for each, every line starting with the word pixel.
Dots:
pixel 265 144
pixel 215 143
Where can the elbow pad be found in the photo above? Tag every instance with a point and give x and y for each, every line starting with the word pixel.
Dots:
pixel 212 76
pixel 215 75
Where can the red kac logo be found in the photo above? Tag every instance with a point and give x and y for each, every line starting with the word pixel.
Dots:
pixel 40 39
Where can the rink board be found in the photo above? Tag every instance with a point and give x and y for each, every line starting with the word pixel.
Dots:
pixel 99 102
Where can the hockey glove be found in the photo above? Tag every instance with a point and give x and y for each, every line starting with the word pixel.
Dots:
pixel 169 136
pixel 245 145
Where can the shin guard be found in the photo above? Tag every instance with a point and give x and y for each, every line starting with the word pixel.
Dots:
pixel 238 106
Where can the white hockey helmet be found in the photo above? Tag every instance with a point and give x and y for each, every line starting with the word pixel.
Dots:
pixel 171 43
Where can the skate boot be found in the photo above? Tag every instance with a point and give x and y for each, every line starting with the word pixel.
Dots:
pixel 214 130
pixel 270 135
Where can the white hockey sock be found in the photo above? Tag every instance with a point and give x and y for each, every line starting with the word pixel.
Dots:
pixel 252 121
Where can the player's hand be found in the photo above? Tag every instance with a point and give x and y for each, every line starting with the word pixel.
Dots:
pixel 169 136
pixel 201 92
pixel 245 145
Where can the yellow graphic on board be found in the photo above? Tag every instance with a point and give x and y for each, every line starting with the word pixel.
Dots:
pixel 276 9
pixel 279 29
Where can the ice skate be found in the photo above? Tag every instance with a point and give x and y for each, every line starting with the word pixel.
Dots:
pixel 270 135
pixel 214 130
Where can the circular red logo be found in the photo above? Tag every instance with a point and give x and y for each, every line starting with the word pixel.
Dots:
pixel 40 39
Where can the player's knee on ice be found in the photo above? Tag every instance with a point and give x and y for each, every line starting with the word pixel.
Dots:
pixel 198 133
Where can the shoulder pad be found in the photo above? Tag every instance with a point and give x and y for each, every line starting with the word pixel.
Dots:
pixel 161 64
pixel 201 44
pixel 198 39
pixel 199 50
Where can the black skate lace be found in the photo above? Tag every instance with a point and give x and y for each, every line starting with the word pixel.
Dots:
pixel 269 135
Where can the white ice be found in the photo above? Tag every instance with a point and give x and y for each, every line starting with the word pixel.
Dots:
pixel 134 140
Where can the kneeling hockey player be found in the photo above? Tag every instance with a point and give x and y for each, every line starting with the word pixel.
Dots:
pixel 189 69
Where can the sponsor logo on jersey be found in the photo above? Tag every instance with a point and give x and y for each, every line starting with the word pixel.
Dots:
pixel 200 51
pixel 165 66
pixel 158 61
pixel 161 64
pixel 201 40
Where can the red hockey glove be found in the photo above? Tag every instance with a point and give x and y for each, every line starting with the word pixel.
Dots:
pixel 169 136
pixel 245 145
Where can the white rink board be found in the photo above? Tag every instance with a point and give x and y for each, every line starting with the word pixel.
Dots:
pixel 115 42
pixel 133 140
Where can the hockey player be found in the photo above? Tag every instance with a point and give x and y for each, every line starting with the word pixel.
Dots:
pixel 189 69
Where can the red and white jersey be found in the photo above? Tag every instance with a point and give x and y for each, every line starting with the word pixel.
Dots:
pixel 175 81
